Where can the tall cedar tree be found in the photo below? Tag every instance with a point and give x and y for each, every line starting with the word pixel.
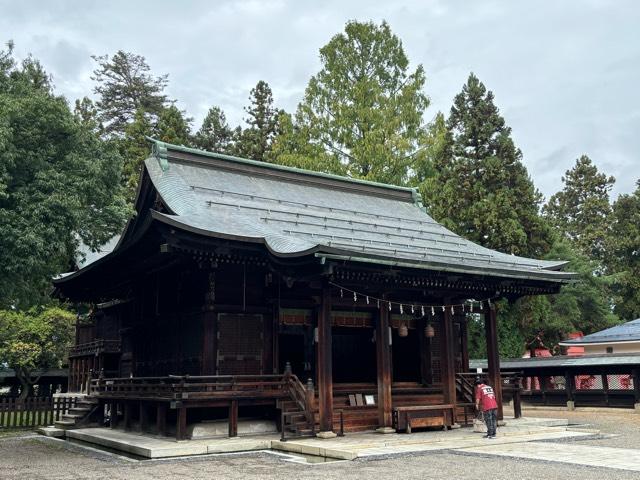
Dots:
pixel 215 134
pixel 581 210
pixel 481 189
pixel 173 127
pixel 362 113
pixel 124 87
pixel 59 183
pixel 623 254
pixel 255 141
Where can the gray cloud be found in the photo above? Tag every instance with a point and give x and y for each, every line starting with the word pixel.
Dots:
pixel 565 74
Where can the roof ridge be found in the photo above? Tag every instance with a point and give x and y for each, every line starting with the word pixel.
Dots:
pixel 159 150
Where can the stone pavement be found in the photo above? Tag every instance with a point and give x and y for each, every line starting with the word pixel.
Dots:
pixel 349 447
pixel 619 458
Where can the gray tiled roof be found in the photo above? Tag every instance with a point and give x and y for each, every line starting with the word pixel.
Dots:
pixel 562 361
pixel 627 332
pixel 295 212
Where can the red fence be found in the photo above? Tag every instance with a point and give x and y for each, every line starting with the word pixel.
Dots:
pixel 33 411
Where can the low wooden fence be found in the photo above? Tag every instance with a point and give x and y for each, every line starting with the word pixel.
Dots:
pixel 33 411
pixel 584 389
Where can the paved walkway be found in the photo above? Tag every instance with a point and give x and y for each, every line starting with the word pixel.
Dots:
pixel 619 458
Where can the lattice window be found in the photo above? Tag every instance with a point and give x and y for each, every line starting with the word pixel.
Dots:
pixel 588 382
pixel 620 382
pixel 239 344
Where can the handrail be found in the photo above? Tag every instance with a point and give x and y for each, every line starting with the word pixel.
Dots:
pixel 96 346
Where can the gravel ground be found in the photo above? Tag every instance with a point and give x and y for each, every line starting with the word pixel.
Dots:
pixel 621 430
pixel 36 458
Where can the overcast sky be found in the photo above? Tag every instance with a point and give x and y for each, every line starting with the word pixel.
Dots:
pixel 565 74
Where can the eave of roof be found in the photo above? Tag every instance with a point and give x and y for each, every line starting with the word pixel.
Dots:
pixel 624 333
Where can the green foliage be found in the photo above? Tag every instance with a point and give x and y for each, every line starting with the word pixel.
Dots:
pixel 125 86
pixel 623 254
pixel 215 135
pixel 581 210
pixel 255 141
pixel 363 109
pixel 59 183
pixel 35 339
pixel 172 127
pixel 481 189
pixel 134 148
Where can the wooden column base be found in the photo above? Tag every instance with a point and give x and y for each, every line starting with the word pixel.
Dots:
pixel 325 435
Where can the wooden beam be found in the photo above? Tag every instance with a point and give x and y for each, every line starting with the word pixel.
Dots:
pixel 127 416
pixel 493 356
pixel 448 358
pixel 324 353
pixel 209 343
pixel 383 356
pixel 143 424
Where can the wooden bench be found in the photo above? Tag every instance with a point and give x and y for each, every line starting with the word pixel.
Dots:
pixel 406 418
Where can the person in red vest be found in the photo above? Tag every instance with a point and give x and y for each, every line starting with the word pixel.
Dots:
pixel 486 403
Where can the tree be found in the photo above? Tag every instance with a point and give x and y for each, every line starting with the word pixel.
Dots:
pixel 255 141
pixel 581 210
pixel 623 254
pixel 172 127
pixel 126 86
pixel 59 184
pixel 33 341
pixel 86 113
pixel 364 108
pixel 580 306
pixel 481 190
pixel 214 135
pixel 134 148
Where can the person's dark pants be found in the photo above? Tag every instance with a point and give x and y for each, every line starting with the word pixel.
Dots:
pixel 491 420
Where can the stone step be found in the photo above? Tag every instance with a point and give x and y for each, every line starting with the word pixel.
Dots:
pixel 52 431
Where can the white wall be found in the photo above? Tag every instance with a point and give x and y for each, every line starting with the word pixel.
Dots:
pixel 633 347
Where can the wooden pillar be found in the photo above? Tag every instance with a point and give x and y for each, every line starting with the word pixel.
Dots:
pixel 143 424
pixel 127 415
pixel 448 358
pixel 605 388
pixel 635 375
pixel 233 418
pixel 325 376
pixel 113 415
pixel 464 340
pixel 209 342
pixel 383 356
pixel 161 419
pixel 569 388
pixel 493 356
pixel 181 423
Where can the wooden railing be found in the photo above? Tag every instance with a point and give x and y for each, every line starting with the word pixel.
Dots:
pixel 511 387
pixel 188 387
pixel 33 411
pixel 95 347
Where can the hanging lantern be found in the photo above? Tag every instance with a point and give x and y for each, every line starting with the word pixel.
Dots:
pixel 429 331
pixel 452 312
pixel 401 310
pixel 413 309
pixel 403 331
pixel 422 310
pixel 367 299
pixel 433 312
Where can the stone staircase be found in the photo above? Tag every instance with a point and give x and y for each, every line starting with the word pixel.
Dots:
pixel 79 415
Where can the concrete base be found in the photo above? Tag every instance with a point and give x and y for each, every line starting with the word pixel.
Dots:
pixel 52 432
pixel 571 405
pixel 326 435
pixel 385 430
pixel 636 407
pixel 220 428
pixel 501 423
pixel 455 426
